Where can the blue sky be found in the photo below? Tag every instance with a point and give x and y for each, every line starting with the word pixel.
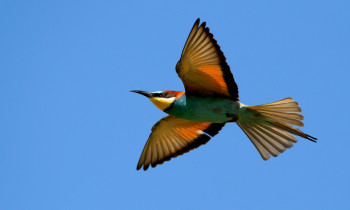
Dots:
pixel 71 133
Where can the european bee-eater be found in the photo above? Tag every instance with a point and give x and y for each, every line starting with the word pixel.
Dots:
pixel 210 100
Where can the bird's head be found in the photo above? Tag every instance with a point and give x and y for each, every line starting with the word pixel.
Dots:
pixel 162 99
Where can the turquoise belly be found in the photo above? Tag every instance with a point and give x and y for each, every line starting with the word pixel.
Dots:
pixel 204 109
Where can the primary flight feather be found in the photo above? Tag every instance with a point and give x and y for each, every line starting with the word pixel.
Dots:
pixel 210 100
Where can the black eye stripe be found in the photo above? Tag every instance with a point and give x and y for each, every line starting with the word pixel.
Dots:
pixel 156 94
pixel 163 95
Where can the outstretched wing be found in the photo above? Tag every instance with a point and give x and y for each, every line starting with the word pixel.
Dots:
pixel 172 136
pixel 202 66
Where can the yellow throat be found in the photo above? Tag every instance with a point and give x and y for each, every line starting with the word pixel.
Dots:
pixel 162 103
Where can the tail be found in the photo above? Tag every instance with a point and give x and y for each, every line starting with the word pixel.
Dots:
pixel 270 126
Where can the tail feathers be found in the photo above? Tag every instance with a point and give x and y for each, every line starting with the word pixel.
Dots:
pixel 273 131
pixel 293 130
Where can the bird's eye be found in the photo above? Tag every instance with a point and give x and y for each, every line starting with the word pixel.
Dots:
pixel 162 95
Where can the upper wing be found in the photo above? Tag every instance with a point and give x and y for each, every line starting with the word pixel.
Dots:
pixel 172 136
pixel 202 66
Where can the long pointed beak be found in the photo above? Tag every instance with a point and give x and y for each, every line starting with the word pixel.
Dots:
pixel 145 93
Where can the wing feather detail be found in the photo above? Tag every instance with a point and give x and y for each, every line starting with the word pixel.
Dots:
pixel 202 66
pixel 172 136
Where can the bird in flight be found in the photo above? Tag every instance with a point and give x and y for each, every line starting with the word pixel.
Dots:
pixel 210 100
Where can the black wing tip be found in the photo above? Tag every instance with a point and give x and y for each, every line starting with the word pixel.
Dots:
pixel 143 166
pixel 196 24
pixel 214 128
pixel 138 167
pixel 203 24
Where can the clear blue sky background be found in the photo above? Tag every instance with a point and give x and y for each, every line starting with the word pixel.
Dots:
pixel 71 133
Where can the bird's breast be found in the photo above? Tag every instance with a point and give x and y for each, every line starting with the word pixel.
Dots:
pixel 204 109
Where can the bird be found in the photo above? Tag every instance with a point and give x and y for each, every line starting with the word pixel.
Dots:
pixel 210 100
